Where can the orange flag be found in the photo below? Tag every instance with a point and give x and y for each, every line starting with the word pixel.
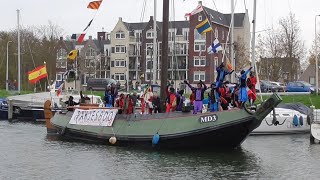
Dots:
pixel 229 66
pixel 94 5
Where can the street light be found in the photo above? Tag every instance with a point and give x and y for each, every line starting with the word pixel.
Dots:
pixel 315 42
pixel 7 71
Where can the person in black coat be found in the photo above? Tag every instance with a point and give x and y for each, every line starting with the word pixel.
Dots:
pixel 156 103
pixel 71 103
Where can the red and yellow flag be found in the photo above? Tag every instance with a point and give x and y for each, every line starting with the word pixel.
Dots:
pixel 37 74
pixel 94 5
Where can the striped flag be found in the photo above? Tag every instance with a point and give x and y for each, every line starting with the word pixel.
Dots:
pixel 78 37
pixel 37 74
pixel 204 27
pixel 60 88
pixel 94 5
pixel 198 9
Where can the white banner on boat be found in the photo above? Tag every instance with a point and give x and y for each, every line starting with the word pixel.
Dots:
pixel 94 117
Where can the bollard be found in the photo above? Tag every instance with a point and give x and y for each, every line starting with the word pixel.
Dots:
pixel 10 110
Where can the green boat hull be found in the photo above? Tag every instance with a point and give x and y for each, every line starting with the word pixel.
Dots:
pixel 176 130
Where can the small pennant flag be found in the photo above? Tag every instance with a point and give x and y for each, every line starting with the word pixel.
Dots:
pixel 195 11
pixel 215 47
pixel 94 5
pixel 73 54
pixel 89 24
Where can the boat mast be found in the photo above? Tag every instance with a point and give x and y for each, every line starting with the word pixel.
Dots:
pixel 253 40
pixel 155 56
pixel 19 80
pixel 164 55
pixel 232 40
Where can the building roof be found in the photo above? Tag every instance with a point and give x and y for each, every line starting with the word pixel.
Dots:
pixel 135 26
pixel 225 19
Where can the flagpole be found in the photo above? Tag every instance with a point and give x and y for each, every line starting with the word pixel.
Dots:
pixel 19 61
pixel 232 40
pixel 45 65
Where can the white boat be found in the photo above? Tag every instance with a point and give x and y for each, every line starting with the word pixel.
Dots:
pixel 286 119
pixel 315 127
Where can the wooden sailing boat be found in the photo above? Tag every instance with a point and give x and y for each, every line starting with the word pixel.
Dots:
pixel 170 130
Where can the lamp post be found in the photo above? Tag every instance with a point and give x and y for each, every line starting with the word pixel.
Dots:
pixel 7 71
pixel 316 46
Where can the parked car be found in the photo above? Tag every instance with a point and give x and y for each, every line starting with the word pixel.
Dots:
pixel 266 86
pixel 299 86
pixel 3 104
pixel 281 87
pixel 96 84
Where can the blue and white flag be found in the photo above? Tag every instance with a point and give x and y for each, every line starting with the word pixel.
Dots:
pixel 215 47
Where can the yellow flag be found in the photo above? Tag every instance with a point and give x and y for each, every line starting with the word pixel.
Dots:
pixel 73 54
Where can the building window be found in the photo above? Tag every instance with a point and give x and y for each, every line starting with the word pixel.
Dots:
pixel 62 54
pixel 120 63
pixel 199 75
pixel 199 18
pixel 199 61
pixel 149 63
pixel 87 77
pixel 222 35
pixel 90 53
pixel 171 36
pixel 58 77
pixel 89 63
pixel 149 49
pixel 199 46
pixel 138 36
pixel 216 33
pixel 120 35
pixel 61 63
pixel 149 34
pixel 312 80
pixel 186 35
pixel 120 49
pixel 198 36
pixel 119 76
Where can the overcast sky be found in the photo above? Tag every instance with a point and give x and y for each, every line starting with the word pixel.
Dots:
pixel 73 15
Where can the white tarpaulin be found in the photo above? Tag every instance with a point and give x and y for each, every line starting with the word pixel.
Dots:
pixel 94 117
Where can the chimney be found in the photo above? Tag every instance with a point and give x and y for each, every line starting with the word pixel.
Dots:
pixel 90 37
pixel 101 36
pixel 120 19
pixel 151 18
pixel 200 3
pixel 61 38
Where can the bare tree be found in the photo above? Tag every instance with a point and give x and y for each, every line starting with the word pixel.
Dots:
pixel 291 43
pixel 242 55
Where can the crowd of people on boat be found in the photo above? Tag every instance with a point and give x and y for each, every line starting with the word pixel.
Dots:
pixel 222 95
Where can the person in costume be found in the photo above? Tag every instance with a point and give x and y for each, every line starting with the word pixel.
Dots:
pixel 180 99
pixel 108 99
pixel 213 104
pixel 243 93
pixel 252 81
pixel 171 100
pixel 199 95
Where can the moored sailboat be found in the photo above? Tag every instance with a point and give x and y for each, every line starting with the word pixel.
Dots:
pixel 170 130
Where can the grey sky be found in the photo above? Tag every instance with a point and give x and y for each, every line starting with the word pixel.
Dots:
pixel 73 16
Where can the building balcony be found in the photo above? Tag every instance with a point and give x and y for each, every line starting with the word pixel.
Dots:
pixel 134 53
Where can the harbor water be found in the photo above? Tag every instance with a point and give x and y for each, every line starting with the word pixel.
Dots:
pixel 27 153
